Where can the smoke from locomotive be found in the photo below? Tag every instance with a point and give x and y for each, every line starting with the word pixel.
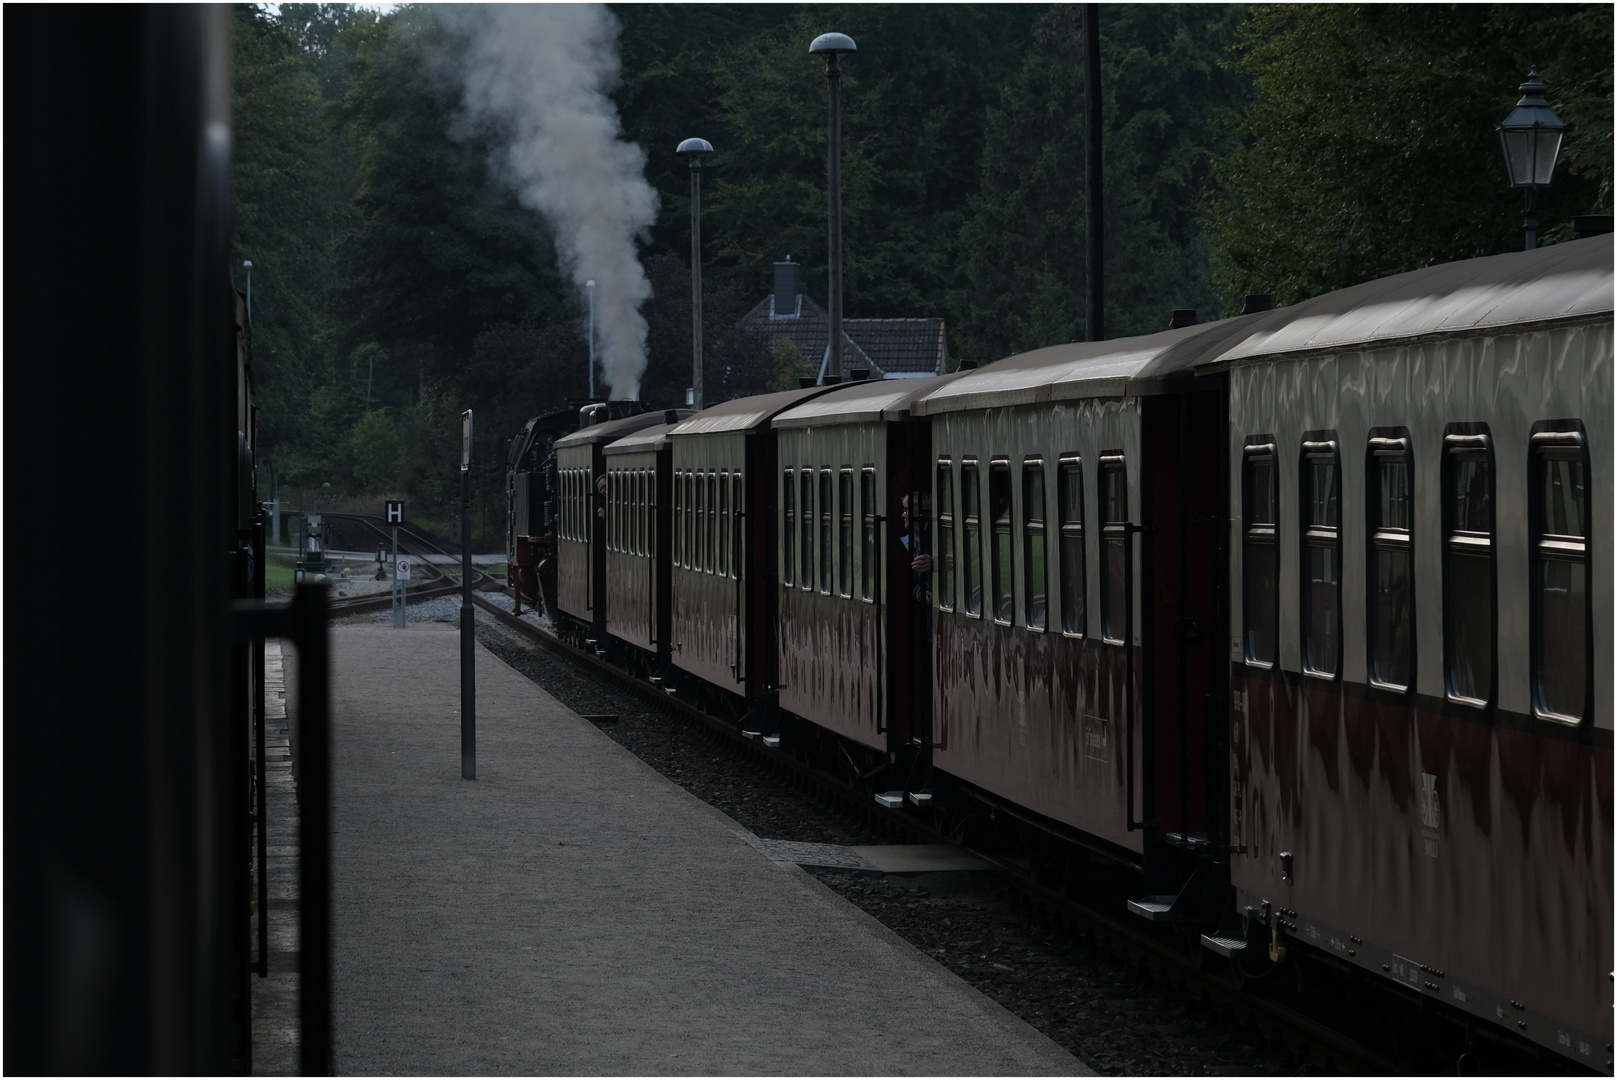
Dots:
pixel 538 75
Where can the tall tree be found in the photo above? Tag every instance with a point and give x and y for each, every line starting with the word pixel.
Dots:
pixel 1164 97
pixel 1370 146
pixel 439 247
pixel 280 191
pixel 913 124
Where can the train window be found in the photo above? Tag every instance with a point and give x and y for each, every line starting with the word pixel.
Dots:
pixel 1392 592
pixel 651 511
pixel 690 521
pixel 1033 567
pixel 944 567
pixel 1114 534
pixel 738 558
pixel 1070 491
pixel 826 508
pixel 1260 554
pixel 611 509
pixel 1561 616
pixel 642 528
pixel 972 569
pixel 788 536
pixel 1321 559
pixel 999 514
pixel 1468 585
pixel 845 532
pixel 620 501
pixel 699 552
pixel 724 524
pixel 805 529
pixel 709 541
pixel 567 504
pixel 679 520
pixel 867 525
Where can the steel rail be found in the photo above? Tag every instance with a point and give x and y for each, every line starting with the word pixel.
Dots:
pixel 1350 1056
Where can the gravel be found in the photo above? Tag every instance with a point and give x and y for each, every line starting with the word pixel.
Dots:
pixel 1117 1017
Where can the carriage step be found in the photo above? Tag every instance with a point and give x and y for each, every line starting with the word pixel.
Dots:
pixel 1153 908
pixel 1224 946
pixel 893 800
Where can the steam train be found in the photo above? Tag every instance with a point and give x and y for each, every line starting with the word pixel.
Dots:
pixel 1305 615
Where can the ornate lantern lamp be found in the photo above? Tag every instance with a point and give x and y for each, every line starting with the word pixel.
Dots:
pixel 1531 138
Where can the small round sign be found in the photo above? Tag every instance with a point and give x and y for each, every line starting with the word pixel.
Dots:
pixel 401 570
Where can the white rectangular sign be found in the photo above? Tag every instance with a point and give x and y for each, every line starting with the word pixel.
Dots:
pixel 401 570
pixel 395 512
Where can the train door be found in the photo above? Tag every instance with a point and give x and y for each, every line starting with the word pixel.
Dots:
pixel 908 625
pixel 1184 734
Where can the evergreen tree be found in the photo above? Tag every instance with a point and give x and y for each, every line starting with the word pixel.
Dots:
pixel 1163 95
pixel 1370 145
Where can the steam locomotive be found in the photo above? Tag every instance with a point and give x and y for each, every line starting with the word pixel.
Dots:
pixel 1305 615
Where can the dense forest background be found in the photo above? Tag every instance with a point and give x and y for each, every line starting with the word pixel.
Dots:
pixel 1288 150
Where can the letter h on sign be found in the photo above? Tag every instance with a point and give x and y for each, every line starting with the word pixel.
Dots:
pixel 395 512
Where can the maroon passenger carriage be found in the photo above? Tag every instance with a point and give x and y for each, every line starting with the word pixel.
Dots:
pixel 580 535
pixel 723 604
pixel 1421 634
pixel 1076 501
pixel 853 646
pixel 637 534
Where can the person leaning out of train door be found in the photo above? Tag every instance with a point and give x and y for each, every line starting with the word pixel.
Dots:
pixel 920 564
pixel 600 496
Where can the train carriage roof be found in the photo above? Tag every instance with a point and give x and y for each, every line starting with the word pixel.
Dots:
pixel 1087 369
pixel 613 430
pixel 649 438
pixel 862 402
pixel 1564 282
pixel 744 414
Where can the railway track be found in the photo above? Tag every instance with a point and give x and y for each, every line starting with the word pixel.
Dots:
pixel 1193 968
pixel 439 582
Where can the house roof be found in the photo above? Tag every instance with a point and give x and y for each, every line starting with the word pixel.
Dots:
pixel 888 347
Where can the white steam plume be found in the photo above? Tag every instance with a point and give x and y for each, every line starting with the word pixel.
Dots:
pixel 540 73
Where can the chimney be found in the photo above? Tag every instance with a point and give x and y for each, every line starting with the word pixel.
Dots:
pixel 788 284
pixel 1182 316
pixel 1587 225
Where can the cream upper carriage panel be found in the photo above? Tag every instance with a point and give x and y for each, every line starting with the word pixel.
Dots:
pixel 1076 398
pixel 1509 341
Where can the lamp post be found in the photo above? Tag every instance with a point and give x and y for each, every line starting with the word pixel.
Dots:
pixel 1531 139
pixel 832 46
pixel 693 149
pixel 589 289
pixel 248 264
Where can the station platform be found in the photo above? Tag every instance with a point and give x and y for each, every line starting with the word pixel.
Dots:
pixel 572 912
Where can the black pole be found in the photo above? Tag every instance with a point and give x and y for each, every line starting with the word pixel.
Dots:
pixel 1530 218
pixel 468 637
pixel 314 808
pixel 260 774
pixel 468 619
pixel 696 282
pixel 833 75
pixel 1095 221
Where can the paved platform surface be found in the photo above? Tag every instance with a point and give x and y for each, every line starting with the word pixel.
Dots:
pixel 572 912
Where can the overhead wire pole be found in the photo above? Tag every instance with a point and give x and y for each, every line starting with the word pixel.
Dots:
pixel 1095 218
